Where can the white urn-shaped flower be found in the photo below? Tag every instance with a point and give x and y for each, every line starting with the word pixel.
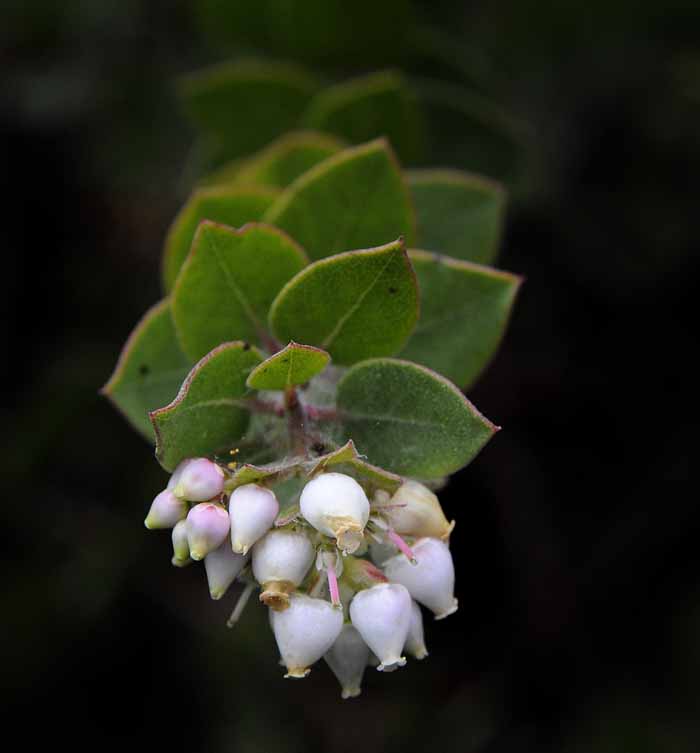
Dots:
pixel 197 480
pixel 181 547
pixel 305 631
pixel 223 566
pixel 415 640
pixel 207 527
pixel 252 510
pixel 382 615
pixel 281 559
pixel 166 510
pixel 431 581
pixel 337 506
pixel 415 511
pixel 347 658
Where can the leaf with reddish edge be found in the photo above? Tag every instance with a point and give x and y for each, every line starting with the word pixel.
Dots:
pixel 409 419
pixel 294 364
pixel 150 369
pixel 209 413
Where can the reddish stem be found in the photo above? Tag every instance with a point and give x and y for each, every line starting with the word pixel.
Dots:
pixel 402 545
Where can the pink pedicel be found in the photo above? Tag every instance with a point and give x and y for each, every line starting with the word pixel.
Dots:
pixel 402 545
pixel 333 585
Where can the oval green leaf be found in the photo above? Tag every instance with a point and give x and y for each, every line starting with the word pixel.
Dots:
pixel 242 106
pixel 380 104
pixel 464 312
pixel 410 420
pixel 280 163
pixel 229 206
pixel 150 369
pixel 209 414
pixel 458 214
pixel 354 305
pixel 355 199
pixel 226 285
pixel 294 364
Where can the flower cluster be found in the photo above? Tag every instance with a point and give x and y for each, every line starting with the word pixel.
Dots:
pixel 342 578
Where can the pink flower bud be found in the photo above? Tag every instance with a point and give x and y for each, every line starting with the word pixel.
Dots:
pixel 347 658
pixel 181 548
pixel 304 632
pixel 197 480
pixel 382 614
pixel 207 527
pixel 252 510
pixel 166 510
pixel 281 560
pixel 336 505
pixel 415 641
pixel 431 581
pixel 223 566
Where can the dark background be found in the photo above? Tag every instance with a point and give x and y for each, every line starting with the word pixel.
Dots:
pixel 576 544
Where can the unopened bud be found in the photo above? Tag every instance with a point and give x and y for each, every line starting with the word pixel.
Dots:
pixel 252 510
pixel 207 528
pixel 223 566
pixel 197 480
pixel 415 640
pixel 181 548
pixel 336 505
pixel 281 559
pixel 415 511
pixel 347 658
pixel 166 510
pixel 304 632
pixel 382 614
pixel 431 581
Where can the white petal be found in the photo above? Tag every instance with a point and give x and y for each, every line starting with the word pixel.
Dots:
pixel 305 631
pixel 382 614
pixel 223 566
pixel 431 581
pixel 347 658
pixel 252 510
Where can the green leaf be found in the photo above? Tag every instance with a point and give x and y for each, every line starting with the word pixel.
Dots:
pixel 244 105
pixel 355 199
pixel 294 364
pixel 410 420
pixel 263 474
pixel 459 214
pixel 150 369
pixel 346 459
pixel 280 163
pixel 464 312
pixel 380 104
pixel 354 305
pixel 228 282
pixel 209 413
pixel 230 206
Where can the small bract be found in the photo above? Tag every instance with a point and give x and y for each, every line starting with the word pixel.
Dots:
pixel 336 505
pixel 304 632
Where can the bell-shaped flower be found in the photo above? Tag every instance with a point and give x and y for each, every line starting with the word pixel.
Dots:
pixel 197 480
pixel 347 658
pixel 207 528
pixel 336 505
pixel 382 614
pixel 166 510
pixel 305 631
pixel 181 547
pixel 415 640
pixel 431 581
pixel 252 510
pixel 281 559
pixel 415 511
pixel 223 566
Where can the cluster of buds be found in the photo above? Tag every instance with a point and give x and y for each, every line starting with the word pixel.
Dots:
pixel 344 580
